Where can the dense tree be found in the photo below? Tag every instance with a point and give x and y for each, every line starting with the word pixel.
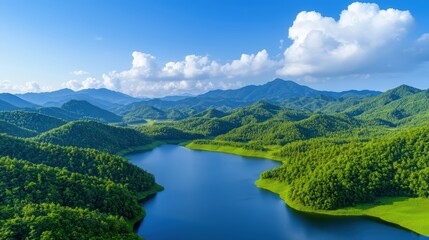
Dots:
pixel 160 132
pixel 31 121
pixel 26 182
pixel 328 174
pixel 13 130
pixel 85 161
pixel 91 134
pixel 53 221
pixel 53 192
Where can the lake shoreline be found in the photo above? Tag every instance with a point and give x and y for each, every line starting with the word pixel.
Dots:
pixel 141 198
pixel 280 189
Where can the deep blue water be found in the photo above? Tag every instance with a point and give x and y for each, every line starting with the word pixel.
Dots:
pixel 213 196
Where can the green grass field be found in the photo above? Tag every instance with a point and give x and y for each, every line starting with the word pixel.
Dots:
pixel 236 151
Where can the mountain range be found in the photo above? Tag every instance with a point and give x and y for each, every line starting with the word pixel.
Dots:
pixel 103 98
pixel 111 106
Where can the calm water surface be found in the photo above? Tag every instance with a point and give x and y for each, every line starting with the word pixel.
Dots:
pixel 213 196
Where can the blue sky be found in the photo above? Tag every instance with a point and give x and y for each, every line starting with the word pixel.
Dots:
pixel 157 48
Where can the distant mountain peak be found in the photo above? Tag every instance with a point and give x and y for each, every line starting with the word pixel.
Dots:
pixel 407 88
pixel 85 109
pixel 402 91
pixel 65 90
pixel 279 80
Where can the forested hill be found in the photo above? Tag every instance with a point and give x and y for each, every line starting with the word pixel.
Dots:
pixel 89 192
pixel 91 134
pixel 31 121
pixel 326 174
pixel 16 131
pixel 83 109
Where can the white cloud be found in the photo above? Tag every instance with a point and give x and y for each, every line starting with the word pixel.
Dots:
pixel 193 74
pixel 192 67
pixel 365 39
pixel 143 66
pixel 249 65
pixel 79 72
pixel 32 87
pixel 73 84
pixel 7 86
pixel 91 83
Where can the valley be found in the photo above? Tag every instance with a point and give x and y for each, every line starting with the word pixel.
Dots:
pixel 358 153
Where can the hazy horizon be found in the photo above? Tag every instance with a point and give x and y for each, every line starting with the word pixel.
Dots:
pixel 191 95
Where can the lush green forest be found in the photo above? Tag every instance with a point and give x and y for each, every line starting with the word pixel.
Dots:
pixel 91 134
pixel 14 130
pixel 165 133
pixel 338 150
pixel 53 221
pixel 52 192
pixel 31 121
pixel 329 174
pixel 346 153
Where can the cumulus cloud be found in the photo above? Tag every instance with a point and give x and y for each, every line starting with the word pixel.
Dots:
pixel 249 65
pixel 89 82
pixel 192 67
pixel 143 67
pixel 365 39
pixel 9 87
pixel 73 84
pixel 194 74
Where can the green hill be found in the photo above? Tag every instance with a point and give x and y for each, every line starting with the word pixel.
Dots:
pixel 382 100
pixel 58 113
pixel 144 112
pixel 175 114
pixel 40 183
pixel 91 134
pixel 159 132
pixel 327 174
pixel 61 192
pixel 211 113
pixel 280 132
pixel 85 110
pixel 13 130
pixel 400 106
pixel 31 121
pixel 258 112
pixel 85 161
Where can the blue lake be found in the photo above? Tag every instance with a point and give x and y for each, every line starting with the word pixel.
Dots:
pixel 213 196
